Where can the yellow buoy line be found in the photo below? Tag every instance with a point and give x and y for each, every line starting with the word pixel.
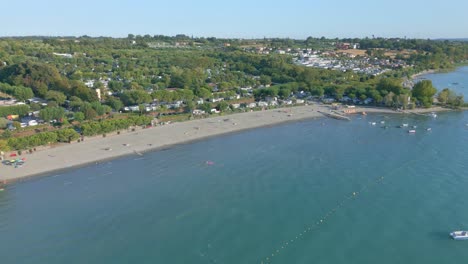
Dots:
pixel 321 221
pixel 316 224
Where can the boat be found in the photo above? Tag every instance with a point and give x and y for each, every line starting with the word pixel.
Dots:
pixel 412 131
pixel 459 235
pixel 428 129
pixel 404 125
pixel 434 115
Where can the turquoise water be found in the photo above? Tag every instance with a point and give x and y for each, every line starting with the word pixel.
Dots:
pixel 456 80
pixel 266 187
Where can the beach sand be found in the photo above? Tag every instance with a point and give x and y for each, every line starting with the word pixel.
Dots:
pixel 97 149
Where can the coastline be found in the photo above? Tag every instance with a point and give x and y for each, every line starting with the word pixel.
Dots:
pixel 416 75
pixel 98 149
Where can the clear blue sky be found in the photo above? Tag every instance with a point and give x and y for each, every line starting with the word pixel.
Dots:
pixel 237 18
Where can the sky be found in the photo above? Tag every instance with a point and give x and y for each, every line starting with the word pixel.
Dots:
pixel 296 19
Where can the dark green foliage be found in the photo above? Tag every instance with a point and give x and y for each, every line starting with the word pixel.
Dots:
pixel 424 91
pixel 67 135
pixel 32 141
pixel 56 96
pixel 106 126
pixel 135 97
pixel 448 97
pixel 114 103
pixel 386 85
pixel 40 77
pixel 21 110
pixel 21 93
pixel 50 113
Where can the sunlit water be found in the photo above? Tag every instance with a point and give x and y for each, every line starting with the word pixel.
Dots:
pixel 456 80
pixel 265 187
pixel 319 191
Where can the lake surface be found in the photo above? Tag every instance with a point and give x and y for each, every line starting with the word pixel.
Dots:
pixel 456 80
pixel 265 187
pixel 319 191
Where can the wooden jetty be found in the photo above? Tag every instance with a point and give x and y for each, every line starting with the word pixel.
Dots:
pixel 335 115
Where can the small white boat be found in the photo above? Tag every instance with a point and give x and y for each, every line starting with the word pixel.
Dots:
pixel 415 126
pixel 373 123
pixel 382 122
pixel 412 131
pixel 428 129
pixel 459 235
pixel 434 115
pixel 404 125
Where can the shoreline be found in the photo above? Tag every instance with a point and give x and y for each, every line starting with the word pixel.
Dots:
pixel 419 74
pixel 97 149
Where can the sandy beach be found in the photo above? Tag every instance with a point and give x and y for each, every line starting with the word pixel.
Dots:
pixel 414 76
pixel 97 149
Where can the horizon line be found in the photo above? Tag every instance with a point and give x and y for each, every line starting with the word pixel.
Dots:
pixel 233 38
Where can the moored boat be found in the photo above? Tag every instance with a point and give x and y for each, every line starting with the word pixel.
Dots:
pixel 459 235
pixel 412 131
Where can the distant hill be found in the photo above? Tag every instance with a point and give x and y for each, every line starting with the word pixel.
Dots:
pixel 453 39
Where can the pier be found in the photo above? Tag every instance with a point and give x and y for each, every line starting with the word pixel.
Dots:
pixel 335 115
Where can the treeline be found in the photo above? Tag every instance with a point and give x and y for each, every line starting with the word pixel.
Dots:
pixel 20 110
pixel 110 125
pixel 21 93
pixel 69 134
pixel 41 139
pixel 42 78
pixel 428 54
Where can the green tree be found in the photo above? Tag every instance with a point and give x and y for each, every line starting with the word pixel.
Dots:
pixel 79 116
pixel 443 96
pixel 4 145
pixel 265 79
pixel 204 93
pixel 23 93
pixel 4 123
pixel 135 97
pixel 75 103
pixel 389 99
pixel 56 96
pixel 206 107
pixel 89 111
pixel 115 103
pixel 51 113
pixel 423 91
pixel 67 135
pixel 222 106
pixel 390 85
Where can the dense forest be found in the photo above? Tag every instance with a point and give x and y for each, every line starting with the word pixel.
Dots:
pixel 79 80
